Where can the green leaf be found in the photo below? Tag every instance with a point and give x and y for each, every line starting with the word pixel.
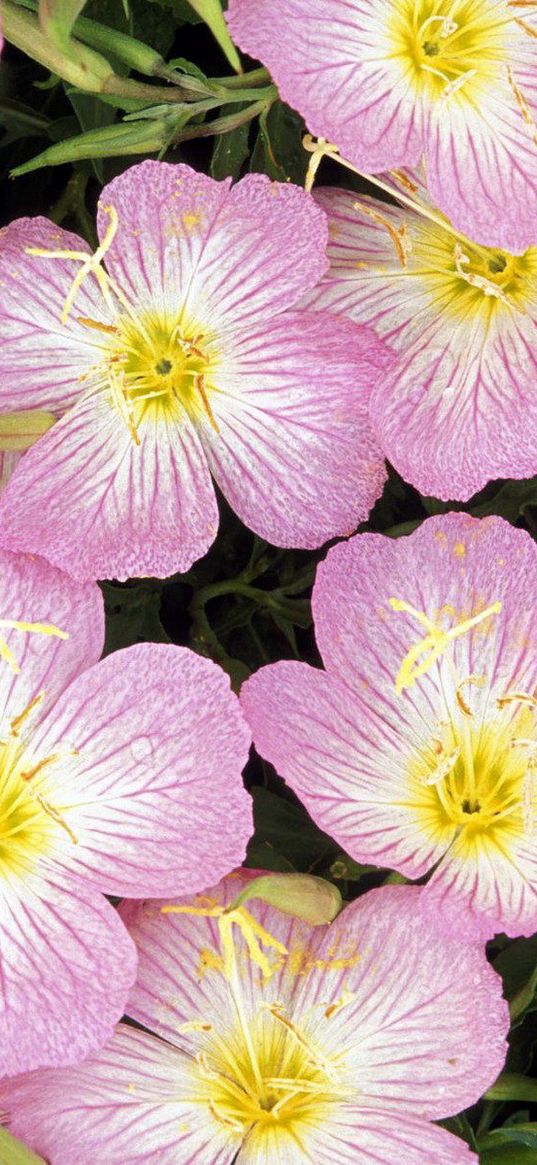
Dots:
pixel 13 1152
pixel 513 1086
pixel 140 137
pixel 523 1136
pixel 460 1127
pixel 210 11
pixel 303 896
pixel 517 965
pixel 510 501
pixel 508 1154
pixel 57 17
pixel 283 827
pixel 230 152
pixel 278 150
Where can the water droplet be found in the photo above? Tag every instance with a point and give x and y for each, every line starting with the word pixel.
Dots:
pixel 142 748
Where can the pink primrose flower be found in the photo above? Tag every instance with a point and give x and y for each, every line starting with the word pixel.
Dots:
pixel 272 1041
pixel 186 357
pixel 459 408
pixel 416 747
pixel 113 778
pixel 450 81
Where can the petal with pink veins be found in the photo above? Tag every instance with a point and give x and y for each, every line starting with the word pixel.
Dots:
pixel 161 744
pixel 66 967
pixel 113 508
pixel 291 405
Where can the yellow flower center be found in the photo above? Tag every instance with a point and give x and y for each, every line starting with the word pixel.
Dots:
pixel 29 822
pixel 264 1072
pixel 476 773
pixel 448 45
pixel 153 366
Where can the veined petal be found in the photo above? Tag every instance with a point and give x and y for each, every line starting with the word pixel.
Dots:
pixel 291 406
pixel 161 744
pixel 112 508
pixel 416 1026
pixel 354 1135
pixel 129 1102
pixel 490 888
pixel 328 63
pixel 482 166
pixel 346 757
pixel 451 562
pixel 458 408
pixel 66 964
pixel 223 257
pixel 35 592
pixel 41 359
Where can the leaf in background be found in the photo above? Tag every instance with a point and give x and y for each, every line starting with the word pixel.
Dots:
pixel 510 501
pixel 92 114
pixel 21 121
pixel 210 12
pixel 133 614
pixel 513 1086
pixel 460 1127
pixel 278 150
pixel 287 830
pixel 56 18
pixel 517 965
pixel 230 152
pixel 139 137
pixel 507 1154
pixel 515 1144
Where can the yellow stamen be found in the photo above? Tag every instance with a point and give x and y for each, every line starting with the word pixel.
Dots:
pixel 19 625
pixel 434 644
pixel 91 264
pixel 398 235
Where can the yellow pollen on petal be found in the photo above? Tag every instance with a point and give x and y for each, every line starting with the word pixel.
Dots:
pixel 30 821
pixel 30 628
pixel 428 650
pixel 262 1071
pixel 152 365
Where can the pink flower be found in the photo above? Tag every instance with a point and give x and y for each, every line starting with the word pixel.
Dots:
pixel 185 357
pixel 416 747
pixel 449 81
pixel 277 1042
pixel 114 777
pixel 459 407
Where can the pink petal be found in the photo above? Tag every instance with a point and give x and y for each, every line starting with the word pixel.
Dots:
pixel 482 166
pixel 345 757
pixel 450 559
pixel 291 406
pixel 66 964
pixel 223 256
pixel 180 979
pixel 353 1135
pixel 128 1103
pixel 458 408
pixel 41 359
pixel 330 66
pixel 35 592
pixel 422 1022
pixel 161 746
pixel 114 508
pixel 490 890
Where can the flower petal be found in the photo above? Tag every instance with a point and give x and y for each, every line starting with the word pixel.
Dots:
pixel 41 359
pixel 66 964
pixel 332 69
pixel 113 508
pixel 128 1103
pixel 353 1135
pixel 420 1022
pixel 451 560
pixel 291 407
pixel 161 746
pixel 35 592
pixel 482 166
pixel 344 756
pixel 225 257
